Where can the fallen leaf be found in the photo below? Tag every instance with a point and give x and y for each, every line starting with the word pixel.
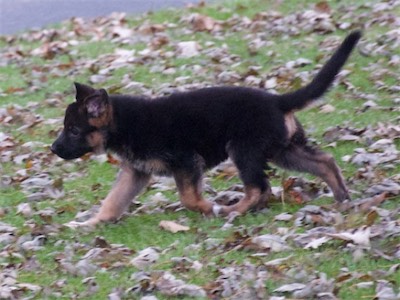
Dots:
pixel 360 236
pixel 290 287
pixel 283 217
pixel 270 242
pixel 145 258
pixel 173 226
pixel 202 22
pixel 168 285
pixel 188 49
pixel 327 109
pixel 316 243
pixel 323 6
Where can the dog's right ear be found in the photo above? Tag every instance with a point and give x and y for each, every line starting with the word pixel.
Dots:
pixel 83 91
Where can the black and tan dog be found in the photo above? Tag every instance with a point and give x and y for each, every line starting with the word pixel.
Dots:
pixel 184 134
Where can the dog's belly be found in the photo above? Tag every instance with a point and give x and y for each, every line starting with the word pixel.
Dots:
pixel 154 166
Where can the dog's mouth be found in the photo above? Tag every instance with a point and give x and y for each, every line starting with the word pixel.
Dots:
pixel 66 154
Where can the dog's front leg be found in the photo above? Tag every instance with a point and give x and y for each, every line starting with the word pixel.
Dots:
pixel 128 184
pixel 189 188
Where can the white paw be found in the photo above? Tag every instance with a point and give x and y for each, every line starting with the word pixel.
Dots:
pixel 216 209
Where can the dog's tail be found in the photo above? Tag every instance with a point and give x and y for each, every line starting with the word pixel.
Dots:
pixel 317 87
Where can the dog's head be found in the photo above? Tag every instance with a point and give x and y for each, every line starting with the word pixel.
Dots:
pixel 86 124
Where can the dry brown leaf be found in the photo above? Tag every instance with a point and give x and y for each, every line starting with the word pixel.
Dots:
pixel 323 6
pixel 202 22
pixel 371 202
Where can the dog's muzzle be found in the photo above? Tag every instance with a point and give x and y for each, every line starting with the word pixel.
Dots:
pixel 60 150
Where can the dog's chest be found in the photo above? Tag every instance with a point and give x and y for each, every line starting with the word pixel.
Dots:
pixel 155 166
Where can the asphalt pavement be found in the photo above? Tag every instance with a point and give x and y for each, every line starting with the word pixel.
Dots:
pixel 19 15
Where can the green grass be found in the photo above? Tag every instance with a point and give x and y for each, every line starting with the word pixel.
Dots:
pixel 20 85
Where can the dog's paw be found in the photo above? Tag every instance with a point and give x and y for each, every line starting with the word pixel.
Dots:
pixel 217 210
pixel 89 224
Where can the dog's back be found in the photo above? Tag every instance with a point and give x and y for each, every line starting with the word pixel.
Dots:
pixel 203 121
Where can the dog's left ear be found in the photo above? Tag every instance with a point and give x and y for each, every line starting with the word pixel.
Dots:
pixel 97 103
pixel 83 91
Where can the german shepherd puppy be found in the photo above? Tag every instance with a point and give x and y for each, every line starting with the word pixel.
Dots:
pixel 184 134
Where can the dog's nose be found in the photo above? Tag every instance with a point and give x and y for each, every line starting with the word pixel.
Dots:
pixel 54 148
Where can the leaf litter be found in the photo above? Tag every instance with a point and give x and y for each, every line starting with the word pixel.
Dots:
pixel 365 228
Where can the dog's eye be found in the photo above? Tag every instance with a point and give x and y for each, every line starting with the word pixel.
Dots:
pixel 74 131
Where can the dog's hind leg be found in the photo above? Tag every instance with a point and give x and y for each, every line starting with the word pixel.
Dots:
pixel 128 184
pixel 250 162
pixel 314 161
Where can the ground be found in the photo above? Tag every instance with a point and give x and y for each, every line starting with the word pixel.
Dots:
pixel 302 246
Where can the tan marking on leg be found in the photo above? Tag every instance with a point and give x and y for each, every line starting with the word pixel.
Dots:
pixel 252 197
pixel 290 123
pixel 263 201
pixel 332 175
pixel 328 170
pixel 96 141
pixel 190 195
pixel 129 183
pixel 151 166
pixel 317 163
pixel 193 200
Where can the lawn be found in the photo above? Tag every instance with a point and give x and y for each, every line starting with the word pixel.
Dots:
pixel 302 246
